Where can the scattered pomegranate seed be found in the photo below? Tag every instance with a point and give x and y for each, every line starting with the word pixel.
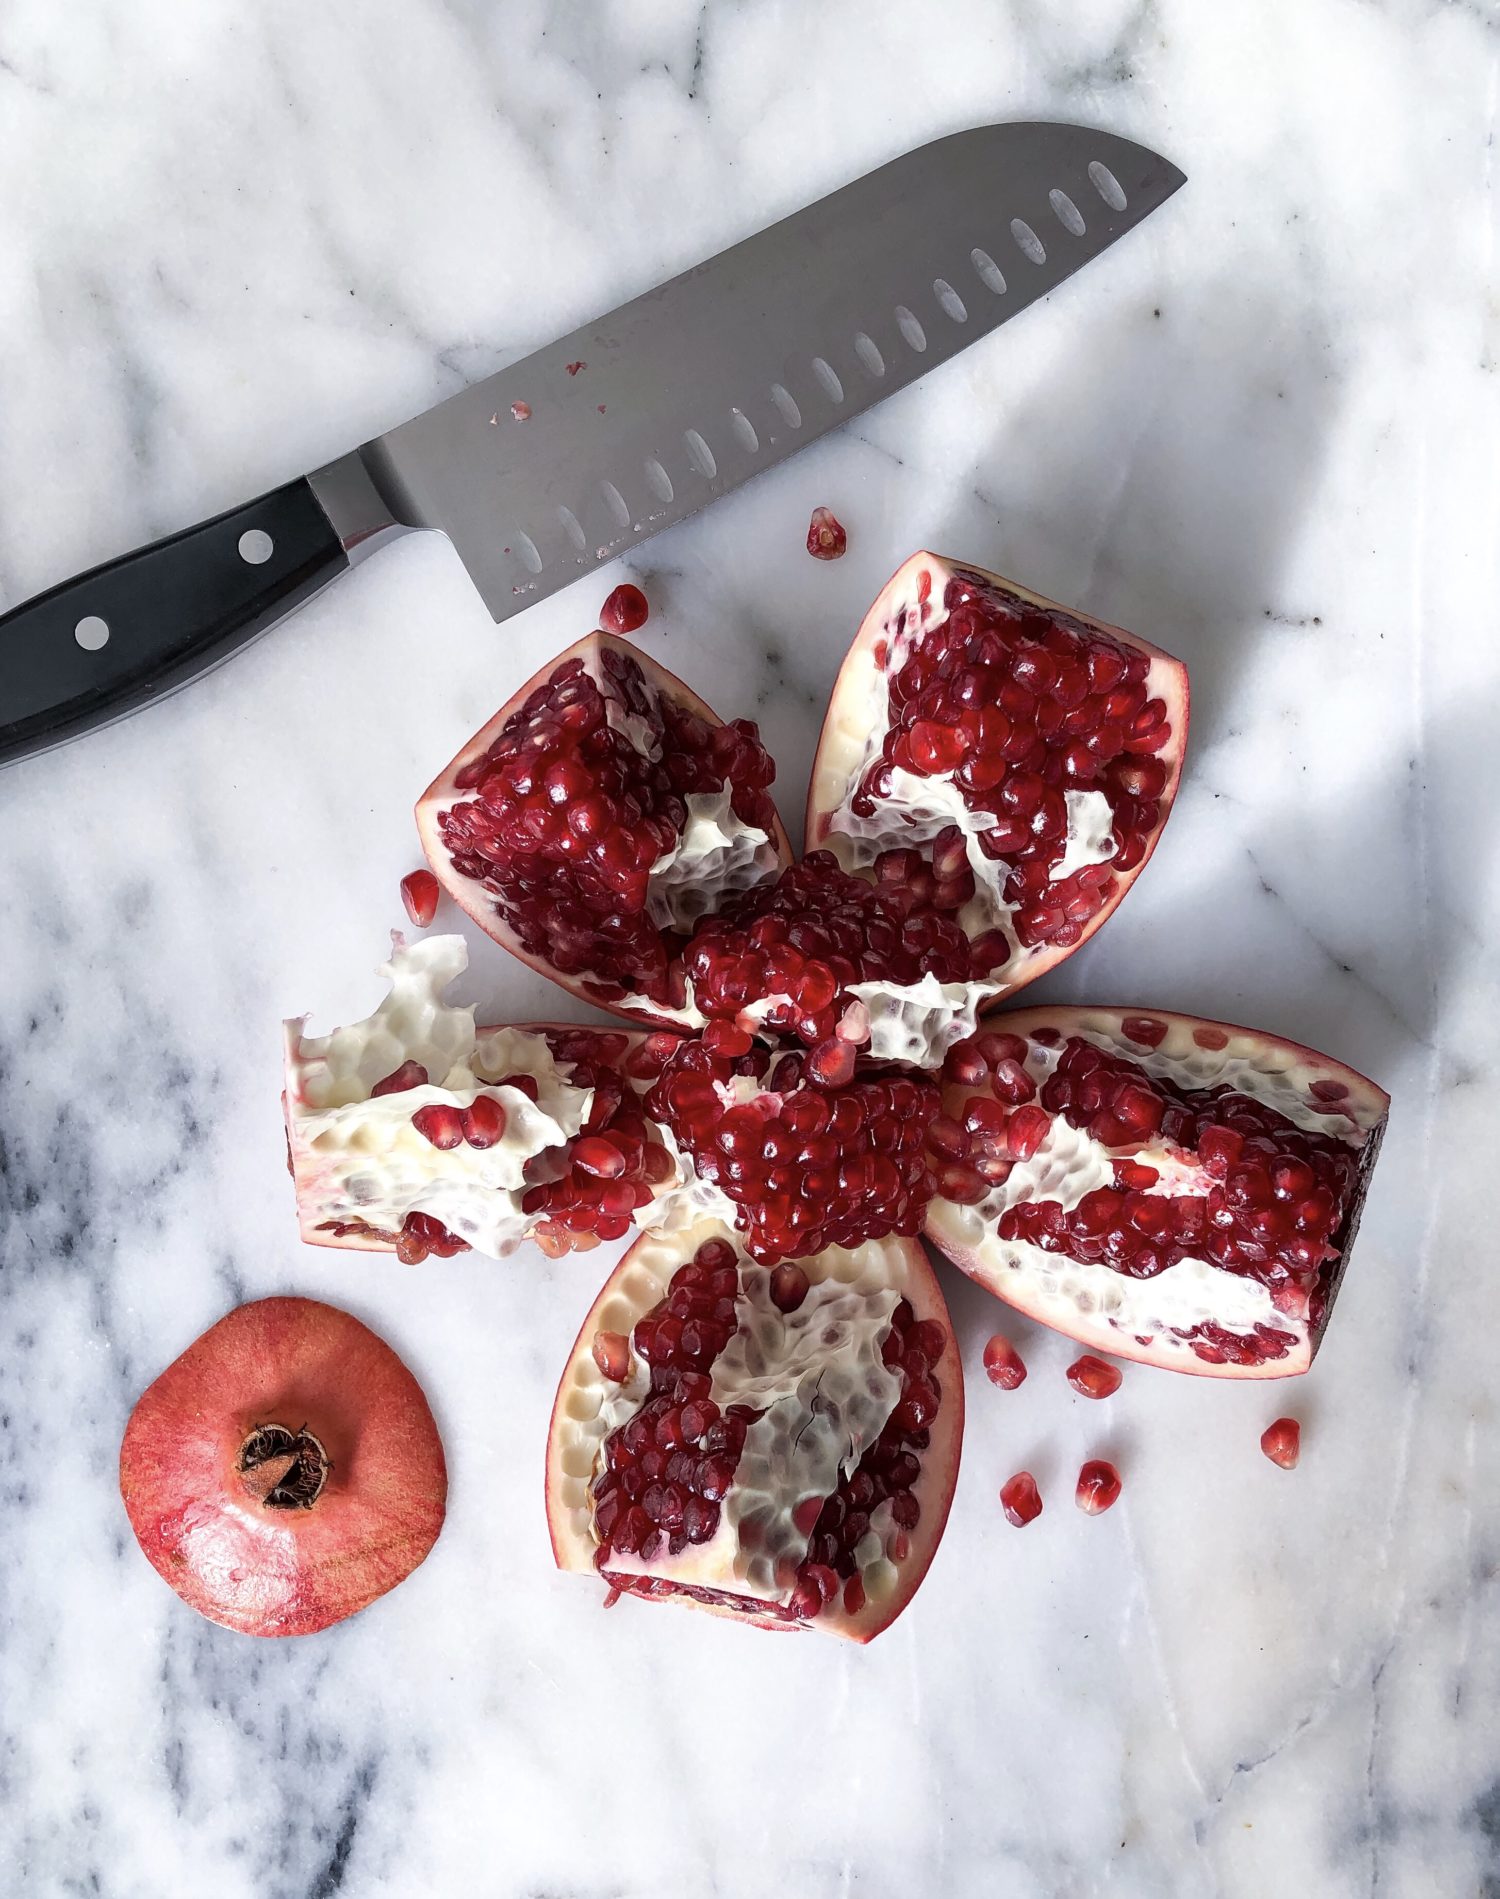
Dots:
pixel 826 538
pixel 1098 1487
pixel 439 1123
pixel 521 411
pixel 1092 1377
pixel 1282 1442
pixel 573 368
pixel 1021 1500
pixel 420 892
pixel 612 1355
pixel 1003 1364
pixel 625 611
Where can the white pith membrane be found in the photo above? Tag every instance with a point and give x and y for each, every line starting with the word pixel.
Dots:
pixel 827 1395
pixel 919 807
pixel 717 855
pixel 355 1158
pixel 1093 1301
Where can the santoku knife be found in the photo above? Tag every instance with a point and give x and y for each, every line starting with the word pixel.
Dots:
pixel 562 461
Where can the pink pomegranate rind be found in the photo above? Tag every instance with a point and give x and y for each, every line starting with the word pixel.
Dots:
pixel 289 1570
pixel 1156 1186
pixel 754 1530
pixel 555 823
pixel 975 719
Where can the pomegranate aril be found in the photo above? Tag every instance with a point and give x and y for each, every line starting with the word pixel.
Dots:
pixel 1092 1377
pixel 408 1075
pixel 483 1121
pixel 1020 1499
pixel 789 1286
pixel 1098 1487
pixel 1282 1442
pixel 1003 1364
pixel 439 1123
pixel 420 891
pixel 826 537
pixel 625 611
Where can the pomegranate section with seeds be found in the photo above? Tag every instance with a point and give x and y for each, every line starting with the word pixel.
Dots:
pixel 827 538
pixel 596 817
pixel 414 1130
pixel 285 1470
pixel 1156 1186
pixel 785 1457
pixel 981 725
pixel 1282 1442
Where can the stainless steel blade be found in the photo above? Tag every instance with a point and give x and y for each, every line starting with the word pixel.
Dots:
pixel 558 463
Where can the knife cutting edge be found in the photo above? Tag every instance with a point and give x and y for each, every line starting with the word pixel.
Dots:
pixel 562 461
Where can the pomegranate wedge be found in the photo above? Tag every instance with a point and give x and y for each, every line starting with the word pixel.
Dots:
pixel 597 816
pixel 416 1131
pixel 1156 1186
pixel 776 1445
pixel 1011 760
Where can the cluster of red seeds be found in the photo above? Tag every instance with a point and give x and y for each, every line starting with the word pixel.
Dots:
pixel 1021 708
pixel 568 817
pixel 805 1168
pixel 668 1468
pixel 811 932
pixel 590 1189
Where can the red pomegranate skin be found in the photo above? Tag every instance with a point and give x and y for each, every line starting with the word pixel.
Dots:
pixel 266 1571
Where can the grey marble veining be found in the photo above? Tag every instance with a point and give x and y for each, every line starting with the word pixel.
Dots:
pixel 1265 432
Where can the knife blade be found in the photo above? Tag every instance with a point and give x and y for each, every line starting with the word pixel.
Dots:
pixel 562 461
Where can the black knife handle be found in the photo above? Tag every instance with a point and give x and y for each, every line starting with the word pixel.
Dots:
pixel 135 629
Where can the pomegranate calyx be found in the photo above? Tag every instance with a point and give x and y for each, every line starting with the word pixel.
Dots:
pixel 282 1469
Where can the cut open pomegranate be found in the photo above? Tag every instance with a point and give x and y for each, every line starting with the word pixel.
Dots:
pixel 285 1470
pixel 1021 756
pixel 598 815
pixel 784 1455
pixel 1156 1186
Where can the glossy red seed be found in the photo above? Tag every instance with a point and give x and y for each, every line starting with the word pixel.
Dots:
pixel 1020 1499
pixel 788 1287
pixel 1093 1377
pixel 612 1355
pixel 439 1123
pixel 419 892
pixel 1003 1364
pixel 1144 1029
pixel 625 611
pixel 408 1075
pixel 1282 1442
pixel 483 1121
pixel 1098 1487
pixel 826 538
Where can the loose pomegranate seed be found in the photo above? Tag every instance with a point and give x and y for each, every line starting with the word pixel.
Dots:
pixel 439 1123
pixel 573 368
pixel 1282 1442
pixel 521 411
pixel 826 539
pixel 419 892
pixel 625 611
pixel 1003 1364
pixel 1098 1487
pixel 1020 1499
pixel 1092 1377
pixel 408 1075
pixel 483 1121
pixel 612 1355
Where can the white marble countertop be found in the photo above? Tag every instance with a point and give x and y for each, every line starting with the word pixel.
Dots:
pixel 1265 431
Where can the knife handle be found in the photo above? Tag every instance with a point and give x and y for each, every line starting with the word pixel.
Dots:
pixel 129 632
